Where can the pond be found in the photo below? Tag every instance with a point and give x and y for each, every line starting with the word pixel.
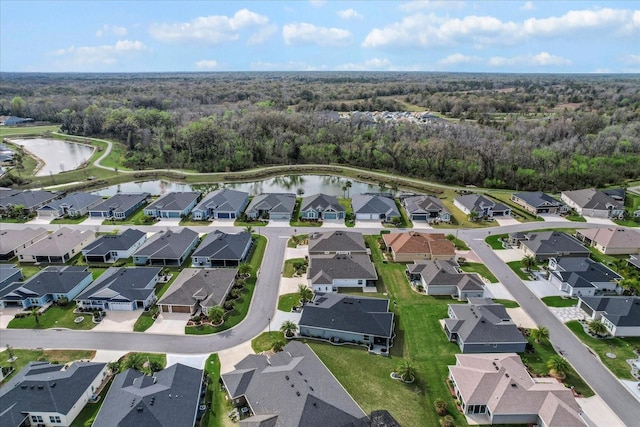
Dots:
pixel 58 156
pixel 311 184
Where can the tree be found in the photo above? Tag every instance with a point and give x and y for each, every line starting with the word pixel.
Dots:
pixel 114 367
pixel 558 365
pixel 244 269
pixel 348 185
pixel 248 229
pixel 288 328
pixel 134 361
pixel 17 106
pixel 216 314
pixel 406 371
pixel 35 312
pixel 474 216
pixel 441 406
pixel 539 334
pixel 344 191
pixel 300 191
pixel 155 366
pixel 306 294
pixel 278 345
pixel 597 328
pixel 529 262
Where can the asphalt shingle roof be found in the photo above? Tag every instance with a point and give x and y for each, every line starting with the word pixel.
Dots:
pixel 51 280
pixel 424 205
pixel 553 243
pixel 114 242
pixel 12 239
pixel 337 266
pixel 175 201
pixel 337 241
pixel 223 200
pixel 321 202
pixel 483 321
pixel 219 245
pixel 273 202
pixel 211 285
pixel 538 199
pixel 621 311
pixel 28 198
pixel 122 284
pixel 58 243
pixel 76 201
pixel 374 204
pixel 590 198
pixel 120 202
pixel 167 244
pixel 476 202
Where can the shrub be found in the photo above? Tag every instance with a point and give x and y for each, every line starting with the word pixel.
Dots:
pixel 447 421
pixel 441 406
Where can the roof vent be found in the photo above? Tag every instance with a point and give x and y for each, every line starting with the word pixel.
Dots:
pixel 52 385
pixel 310 388
pixel 40 386
pixel 23 386
pixel 287 377
pixel 506 375
pixel 297 393
pixel 299 372
pixel 139 408
pixel 291 384
pixel 514 385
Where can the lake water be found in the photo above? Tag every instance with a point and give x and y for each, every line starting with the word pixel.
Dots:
pixel 58 156
pixel 311 184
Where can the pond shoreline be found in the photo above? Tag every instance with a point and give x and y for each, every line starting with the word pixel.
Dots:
pixel 40 162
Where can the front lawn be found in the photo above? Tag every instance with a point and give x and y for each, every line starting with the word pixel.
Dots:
pixel 293 266
pixel 459 244
pixel 53 356
pixel 558 301
pixel 264 341
pixel 76 220
pixel 55 317
pixel 346 203
pixel 576 218
pixel 136 218
pixel 507 303
pixel 495 241
pixel 144 322
pixel 518 268
pixel 481 269
pixel 287 301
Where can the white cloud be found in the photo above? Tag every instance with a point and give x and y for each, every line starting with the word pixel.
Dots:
pixel 104 54
pixel 349 14
pixel 578 20
pixel 111 30
pixel 209 29
pixel 207 64
pixel 458 58
pixel 630 59
pixel 263 34
pixel 431 4
pixel 542 59
pixel 305 33
pixel 528 6
pixel 369 65
pixel 318 3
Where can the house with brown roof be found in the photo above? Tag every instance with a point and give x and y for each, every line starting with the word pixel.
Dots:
pixel 611 240
pixel 497 389
pixel 414 246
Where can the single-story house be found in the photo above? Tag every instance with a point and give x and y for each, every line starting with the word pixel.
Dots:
pixel 620 315
pixel 9 273
pixel 549 244
pixel 112 247
pixel 173 205
pixel 337 242
pixel 57 247
pixel 483 326
pixel 443 277
pixel 168 398
pixel 322 206
pixel 611 240
pixel 72 205
pixel 370 206
pixel 119 206
pixel 580 276
pixel 497 389
pixel 121 288
pixel 44 394
pixel 11 241
pixel 167 248
pixel 413 246
pixel 634 261
pixel 220 249
pixel 483 206
pixel 327 273
pixel 538 202
pixel 14 120
pixel 593 203
pixel 426 208
pixel 289 388
pixel 618 194
pixel 272 206
pixel 223 203
pixel 30 200
pixel 198 289
pixel 46 286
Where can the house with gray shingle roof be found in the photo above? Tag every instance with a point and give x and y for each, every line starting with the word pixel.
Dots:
pixel 482 326
pixel 337 242
pixel 120 288
pixel 220 249
pixel 198 289
pixel 611 240
pixel 30 200
pixel 173 205
pixel 327 273
pixel 223 203
pixel 290 388
pixel 72 205
pixel 322 207
pixel 593 203
pixel 549 244
pixel 272 206
pixel 369 206
pixel 51 395
pixel 342 318
pixel 119 206
pixel 112 247
pixel 580 276
pixel 426 208
pixel 57 247
pixel 9 273
pixel 482 205
pixel 620 315
pixel 167 248
pixel 11 241
pixel 169 398
pixel 443 277
pixel 538 202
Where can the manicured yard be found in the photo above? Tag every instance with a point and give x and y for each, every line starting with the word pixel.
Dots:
pixel 575 218
pixel 481 269
pixel 77 220
pixel 54 356
pixel 289 269
pixel 28 270
pixel 136 218
pixel 264 341
pixel 507 303
pixel 298 239
pixel 6 132
pixel 55 317
pixel 215 399
pixel 287 301
pixel 518 268
pixel 520 214
pixel 346 203
pixel 495 241
pixel 558 301
pixel 460 244
pixel 144 322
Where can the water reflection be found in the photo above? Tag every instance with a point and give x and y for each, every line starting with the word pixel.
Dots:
pixel 58 156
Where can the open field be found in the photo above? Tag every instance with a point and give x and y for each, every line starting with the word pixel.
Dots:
pixel 9 131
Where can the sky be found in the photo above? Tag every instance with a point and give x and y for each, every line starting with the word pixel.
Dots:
pixel 320 35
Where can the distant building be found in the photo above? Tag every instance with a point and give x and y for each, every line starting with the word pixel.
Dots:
pixel 72 205
pixel 11 241
pixel 593 203
pixel 119 206
pixel 173 205
pixel 620 315
pixel 15 121
pixel 538 202
pixel 582 276
pixel 483 206
pixel 548 244
pixel 29 200
pixel 272 206
pixel 611 240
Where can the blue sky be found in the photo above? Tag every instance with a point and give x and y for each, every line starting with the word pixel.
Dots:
pixel 470 36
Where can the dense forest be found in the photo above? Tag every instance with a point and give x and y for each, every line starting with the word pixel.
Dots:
pixel 549 132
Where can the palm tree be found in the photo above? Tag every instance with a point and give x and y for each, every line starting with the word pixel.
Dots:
pixel 539 334
pixel 597 327
pixel 529 262
pixel 348 185
pixel 558 365
pixel 306 294
pixel 406 371
pixel 35 312
pixel 155 366
pixel 216 314
pixel 248 229
pixel 288 328
pixel 441 406
pixel 474 216
pixel 244 269
pixel 114 367
pixel 134 361
pixel 344 191
pixel 300 191
pixel 278 345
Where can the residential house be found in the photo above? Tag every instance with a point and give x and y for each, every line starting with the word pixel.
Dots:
pixel 44 394
pixel 173 205
pixel 46 287
pixel 289 388
pixel 538 202
pixel 342 318
pixel 119 206
pixel 220 249
pixel 611 240
pixel 620 315
pixel 112 247
pixel 9 273
pixel 370 206
pixel 198 289
pixel 322 207
pixel 327 273
pixel 14 120
pixel 121 289
pixel 580 276
pixel 337 242
pixel 548 244
pixel 497 389
pixel 167 248
pixel 443 277
pixel 593 203
pixel 413 246
pixel 11 241
pixel 167 398
pixel 272 206
pixel 481 205
pixel 29 200
pixel 618 194
pixel 634 261
pixel 223 203
pixel 426 208
pixel 57 247
pixel 483 326
pixel 73 205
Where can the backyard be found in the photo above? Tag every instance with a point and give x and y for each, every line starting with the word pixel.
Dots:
pixel 481 269
pixel 22 357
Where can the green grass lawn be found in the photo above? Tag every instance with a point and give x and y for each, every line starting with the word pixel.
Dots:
pixel 520 214
pixel 605 259
pixel 136 218
pixel 215 399
pixel 576 218
pixel 144 322
pixel 7 132
pixel 558 301
pixel 460 244
pixel 90 410
pixel 77 220
pixel 518 268
pixel 346 203
pixel 239 223
pixel 188 222
pixel 54 356
pixel 264 341
pixel 297 239
pixel 28 270
pixel 507 303
pixel 494 241
pixel 289 269
pixel 55 317
pixel 287 301
pixel 621 347
pixel 481 269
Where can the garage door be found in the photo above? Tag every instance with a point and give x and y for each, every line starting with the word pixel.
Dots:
pixel 330 215
pixel 181 309
pixel 365 216
pixel 419 217
pixel 223 215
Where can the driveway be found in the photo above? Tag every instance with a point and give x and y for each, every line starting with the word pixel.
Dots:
pixel 497 291
pixel 168 222
pixel 521 318
pixel 118 321
pixel 194 360
pixel 106 356
pixel 506 221
pixel 169 323
pixel 93 221
pixel 605 221
pixel 279 318
pixel 566 314
pixel 543 288
pixel 368 224
pixel 231 356
pixel 299 252
pixel 7 315
pixel 279 223
pixel 333 223
pixel 38 220
pixel 289 285
pixel 222 223
pixel 599 412
pixel 508 255
pixel 553 218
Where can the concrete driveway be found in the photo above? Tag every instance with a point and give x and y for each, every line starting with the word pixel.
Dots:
pixel 508 255
pixel 543 288
pixel 221 223
pixel 299 252
pixel 168 222
pixel 566 314
pixel 169 323
pixel 231 356
pixel 599 412
pixel 506 221
pixel 278 223
pixel 289 285
pixel 92 221
pixel 497 291
pixel 7 315
pixel 38 220
pixel 368 224
pixel 553 218
pixel 279 318
pixel 118 321
pixel 329 223
pixel 194 360
pixel 521 318
pixel 592 220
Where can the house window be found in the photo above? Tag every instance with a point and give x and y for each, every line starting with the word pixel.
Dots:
pixel 37 418
pixel 360 282
pixel 54 419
